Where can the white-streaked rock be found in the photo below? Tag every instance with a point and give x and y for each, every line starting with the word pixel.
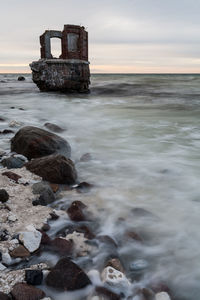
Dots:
pixel 162 296
pixel 114 277
pixel 31 240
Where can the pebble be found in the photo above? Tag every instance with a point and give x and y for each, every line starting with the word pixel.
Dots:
pixel 114 277
pixel 3 196
pixel 162 296
pixel 34 277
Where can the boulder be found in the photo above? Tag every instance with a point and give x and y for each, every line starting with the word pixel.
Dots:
pixel 34 142
pixel 3 196
pixel 54 168
pixel 20 251
pixel 75 211
pixel 67 276
pixel 34 277
pixel 23 291
pixel 4 296
pixel 53 127
pixel 21 78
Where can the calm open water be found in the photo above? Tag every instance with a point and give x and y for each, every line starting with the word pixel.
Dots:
pixel 143 132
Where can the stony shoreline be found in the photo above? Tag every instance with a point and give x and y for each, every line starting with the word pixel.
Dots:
pixel 37 170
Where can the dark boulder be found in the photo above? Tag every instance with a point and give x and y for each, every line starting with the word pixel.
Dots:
pixel 54 168
pixel 4 296
pixel 34 277
pixel 53 127
pixel 3 196
pixel 67 276
pixel 34 142
pixel 75 211
pixel 21 78
pixel 23 291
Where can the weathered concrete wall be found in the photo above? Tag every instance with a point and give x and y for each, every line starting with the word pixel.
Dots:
pixel 61 75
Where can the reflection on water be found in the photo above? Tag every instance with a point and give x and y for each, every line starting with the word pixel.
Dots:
pixel 143 134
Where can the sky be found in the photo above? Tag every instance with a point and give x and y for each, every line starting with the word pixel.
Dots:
pixel 125 36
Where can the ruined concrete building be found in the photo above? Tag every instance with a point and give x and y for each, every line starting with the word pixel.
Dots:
pixel 70 72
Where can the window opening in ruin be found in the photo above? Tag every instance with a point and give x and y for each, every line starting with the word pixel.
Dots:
pixel 56 47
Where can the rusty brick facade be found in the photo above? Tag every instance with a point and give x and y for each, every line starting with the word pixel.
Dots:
pixel 69 72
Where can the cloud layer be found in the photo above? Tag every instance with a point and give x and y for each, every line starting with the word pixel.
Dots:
pixel 124 35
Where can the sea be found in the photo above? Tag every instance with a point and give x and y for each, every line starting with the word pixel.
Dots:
pixel 142 133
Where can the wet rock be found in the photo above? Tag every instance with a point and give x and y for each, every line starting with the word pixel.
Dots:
pixel 139 265
pixel 75 211
pixel 21 78
pixel 34 142
pixel 116 264
pixel 54 168
pixel 86 157
pixel 63 246
pixel 106 239
pixel 45 240
pixel 15 123
pixel 146 294
pixel 31 239
pixel 23 291
pixel 54 127
pixel 14 162
pixel 106 293
pixel 20 251
pixel 3 196
pixel 54 216
pixel 34 277
pixel 115 278
pixel 45 198
pixel 4 296
pixel 46 227
pixel 2 119
pixel 67 276
pixel 2 153
pixel 81 247
pixel 13 176
pixel 7 131
pixel 131 235
pixel 141 212
pixel 162 296
pixel 54 187
pixel 84 187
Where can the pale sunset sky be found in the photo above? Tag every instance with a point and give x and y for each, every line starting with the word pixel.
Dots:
pixel 125 36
